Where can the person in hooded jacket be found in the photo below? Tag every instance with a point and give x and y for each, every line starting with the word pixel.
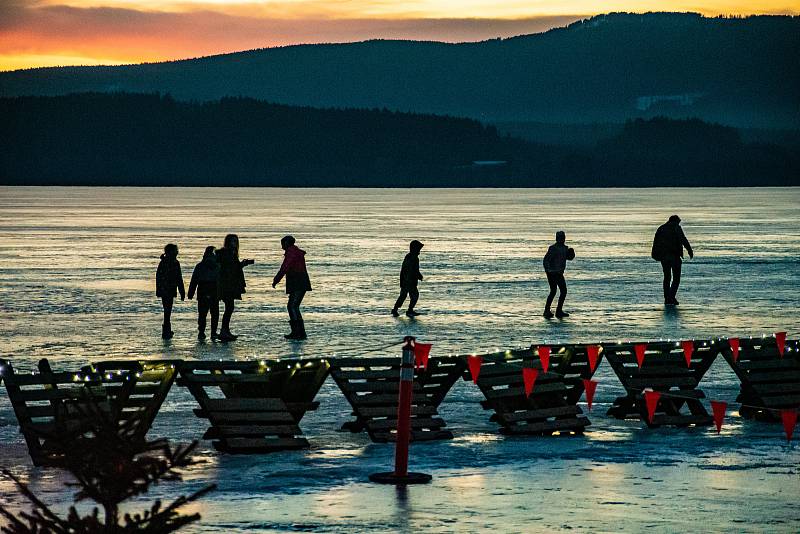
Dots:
pixel 409 279
pixel 555 263
pixel 297 284
pixel 668 245
pixel 169 282
pixel 205 278
pixel 231 284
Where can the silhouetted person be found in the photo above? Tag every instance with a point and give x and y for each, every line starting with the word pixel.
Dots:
pixel 205 279
pixel 409 278
pixel 555 263
pixel 668 245
pixel 297 283
pixel 169 282
pixel 231 284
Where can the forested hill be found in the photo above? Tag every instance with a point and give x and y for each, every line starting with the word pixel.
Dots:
pixel 138 139
pixel 735 71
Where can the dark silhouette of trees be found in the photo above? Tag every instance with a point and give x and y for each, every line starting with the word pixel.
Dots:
pixel 150 139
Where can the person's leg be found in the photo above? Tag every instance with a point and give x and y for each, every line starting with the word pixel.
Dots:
pixel 667 268
pixel 226 318
pixel 166 328
pixel 214 308
pixel 297 298
pixel 400 300
pixel 291 309
pixel 562 293
pixel 551 279
pixel 676 279
pixel 293 305
pixel 414 294
pixel 203 304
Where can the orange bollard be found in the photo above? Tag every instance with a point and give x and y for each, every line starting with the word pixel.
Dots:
pixel 400 475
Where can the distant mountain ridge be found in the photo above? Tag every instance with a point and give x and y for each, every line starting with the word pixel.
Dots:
pixel 736 71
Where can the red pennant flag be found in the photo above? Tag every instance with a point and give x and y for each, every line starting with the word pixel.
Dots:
pixel 421 353
pixel 639 348
pixel 780 339
pixel 589 386
pixel 474 363
pixel 651 399
pixel 592 351
pixel 529 378
pixel 718 407
pixel 688 349
pixel 734 343
pixel 789 418
pixel 544 356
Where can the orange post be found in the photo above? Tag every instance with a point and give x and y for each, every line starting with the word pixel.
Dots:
pixel 401 474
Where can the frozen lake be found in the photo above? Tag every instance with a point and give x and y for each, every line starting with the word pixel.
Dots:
pixel 78 268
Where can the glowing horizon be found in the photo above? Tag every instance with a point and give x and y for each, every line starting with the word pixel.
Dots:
pixel 38 33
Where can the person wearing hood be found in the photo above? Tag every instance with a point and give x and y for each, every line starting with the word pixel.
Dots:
pixel 169 282
pixel 205 278
pixel 668 245
pixel 297 283
pixel 231 284
pixel 555 263
pixel 409 278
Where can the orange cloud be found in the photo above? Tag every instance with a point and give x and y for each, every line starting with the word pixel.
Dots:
pixel 128 35
pixel 69 32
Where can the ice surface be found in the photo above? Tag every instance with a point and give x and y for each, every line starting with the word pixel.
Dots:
pixel 78 267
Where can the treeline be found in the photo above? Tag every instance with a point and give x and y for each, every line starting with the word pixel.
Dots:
pixel 150 139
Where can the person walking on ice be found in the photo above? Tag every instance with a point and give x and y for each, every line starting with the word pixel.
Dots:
pixel 169 282
pixel 555 262
pixel 297 284
pixel 205 278
pixel 668 245
pixel 409 278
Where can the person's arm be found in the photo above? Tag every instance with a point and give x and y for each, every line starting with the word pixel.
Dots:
pixel 416 266
pixel 181 288
pixel 404 269
pixel 686 245
pixel 245 263
pixel 281 271
pixel 193 284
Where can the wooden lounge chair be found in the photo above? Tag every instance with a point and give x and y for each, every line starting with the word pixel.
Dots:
pixel 254 406
pixel 769 381
pixel 371 386
pixel 664 370
pixel 552 405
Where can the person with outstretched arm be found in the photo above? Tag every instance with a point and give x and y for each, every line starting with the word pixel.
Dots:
pixel 297 284
pixel 409 278
pixel 668 245
pixel 205 278
pixel 231 283
pixel 169 282
pixel 555 263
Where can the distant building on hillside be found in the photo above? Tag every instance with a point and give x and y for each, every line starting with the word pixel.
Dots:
pixel 489 163
pixel 643 103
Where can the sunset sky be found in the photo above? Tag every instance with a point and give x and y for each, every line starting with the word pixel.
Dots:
pixel 37 33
